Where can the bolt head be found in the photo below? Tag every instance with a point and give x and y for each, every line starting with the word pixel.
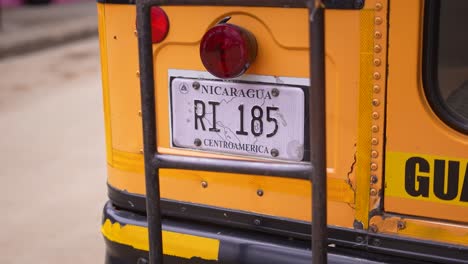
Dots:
pixel 376 243
pixel 373 228
pixel 401 225
pixel 274 153
pixel 142 261
pixel 196 85
pixel 260 192
pixel 197 142
pixel 275 92
pixel 204 184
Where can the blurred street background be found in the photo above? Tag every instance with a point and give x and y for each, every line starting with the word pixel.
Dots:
pixel 52 158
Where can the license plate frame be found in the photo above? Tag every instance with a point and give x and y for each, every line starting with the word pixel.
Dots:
pixel 287 144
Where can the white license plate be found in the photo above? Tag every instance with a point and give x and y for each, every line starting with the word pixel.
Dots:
pixel 259 120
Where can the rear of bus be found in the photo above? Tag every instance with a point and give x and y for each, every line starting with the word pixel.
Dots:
pixel 231 82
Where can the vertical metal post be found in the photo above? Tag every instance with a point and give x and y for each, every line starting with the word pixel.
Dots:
pixel 317 123
pixel 145 50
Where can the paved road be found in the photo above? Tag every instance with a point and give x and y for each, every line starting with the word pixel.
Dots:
pixel 52 160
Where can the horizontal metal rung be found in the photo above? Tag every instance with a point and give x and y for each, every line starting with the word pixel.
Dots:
pixel 289 170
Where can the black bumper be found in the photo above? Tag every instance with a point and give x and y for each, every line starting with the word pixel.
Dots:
pixel 125 234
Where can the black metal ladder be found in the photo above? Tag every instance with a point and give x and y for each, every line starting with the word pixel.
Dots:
pixel 314 172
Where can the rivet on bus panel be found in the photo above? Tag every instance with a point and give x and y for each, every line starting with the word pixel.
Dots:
pixel 378 6
pixel 374 179
pixel 376 88
pixel 401 225
pixel 374 141
pixel 378 35
pixel 375 102
pixel 260 192
pixel 374 154
pixel 378 20
pixel 377 48
pixel 375 115
pixel 141 151
pixel 373 192
pixel 376 75
pixel 374 166
pixel 204 184
pixel 375 128
pixel 137 74
pixel 377 62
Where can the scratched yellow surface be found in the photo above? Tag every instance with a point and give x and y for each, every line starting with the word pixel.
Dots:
pixel 174 244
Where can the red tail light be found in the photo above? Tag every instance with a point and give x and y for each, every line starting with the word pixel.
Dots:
pixel 227 50
pixel 159 24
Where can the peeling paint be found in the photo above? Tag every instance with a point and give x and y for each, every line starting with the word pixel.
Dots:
pixel 351 170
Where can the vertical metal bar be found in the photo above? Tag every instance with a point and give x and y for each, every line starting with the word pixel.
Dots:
pixel 317 123
pixel 145 50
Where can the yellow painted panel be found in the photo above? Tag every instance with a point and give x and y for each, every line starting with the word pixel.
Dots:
pixel 283 51
pixel 414 132
pixel 174 244
pixel 422 229
pixel 290 197
pixel 412 127
pixel 124 85
pixel 427 180
pixel 430 209
pixel 105 78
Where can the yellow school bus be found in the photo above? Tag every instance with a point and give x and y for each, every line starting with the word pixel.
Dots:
pixel 285 131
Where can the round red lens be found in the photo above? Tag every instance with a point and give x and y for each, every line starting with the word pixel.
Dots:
pixel 159 24
pixel 227 50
